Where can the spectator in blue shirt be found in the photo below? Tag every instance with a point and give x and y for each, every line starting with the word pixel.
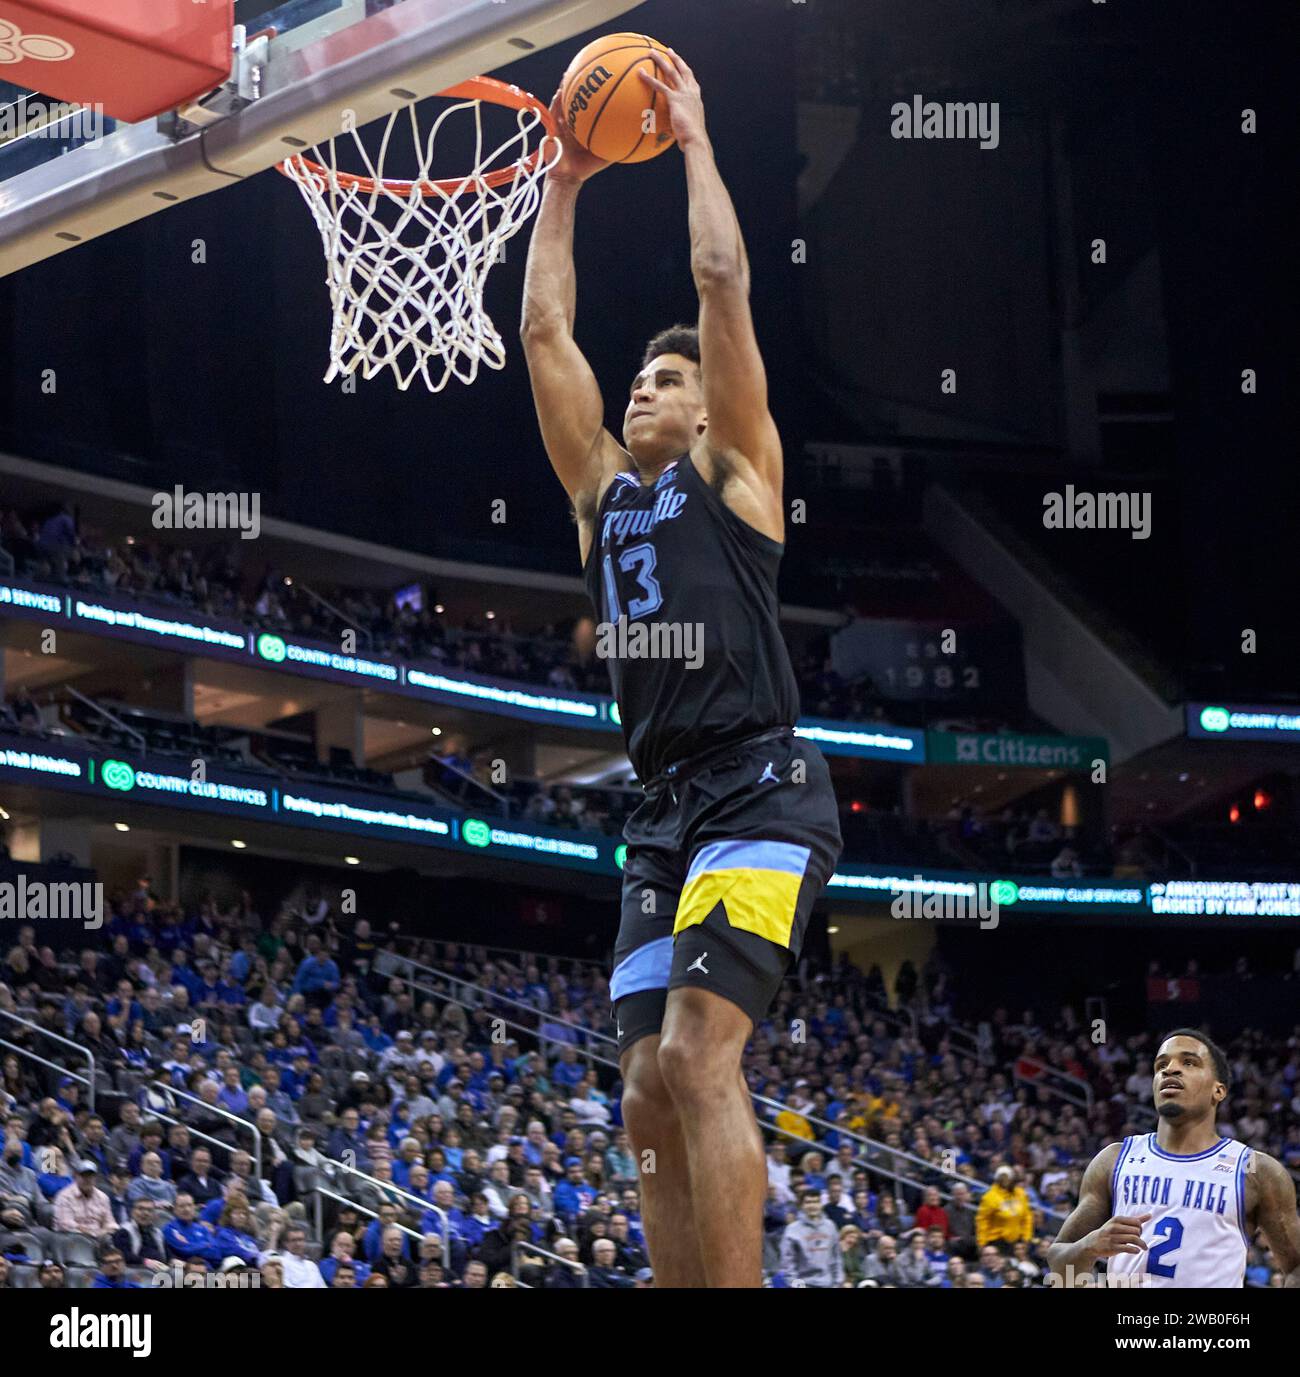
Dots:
pixel 347 1137
pixel 277 1098
pixel 936 1253
pixel 151 1138
pixel 57 537
pixel 241 963
pixel 235 1237
pixel 112 1273
pixel 444 1197
pixel 316 975
pixel 376 1039
pixel 372 1241
pixel 535 1143
pixel 573 1195
pixel 185 974
pixel 186 1236
pixel 813 1176
pixel 478 1221
pixel 568 1071
pixel 341 1258
pixel 408 1156
pixel 232 1095
pixel 991 1265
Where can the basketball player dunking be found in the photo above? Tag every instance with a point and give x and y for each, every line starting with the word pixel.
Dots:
pixel 1179 1207
pixel 738 831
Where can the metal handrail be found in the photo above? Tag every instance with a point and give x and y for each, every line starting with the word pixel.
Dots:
pixel 67 1042
pixel 533 957
pixel 319 1191
pixel 534 1033
pixel 515 1264
pixel 488 995
pixel 104 712
pixel 290 582
pixel 44 1061
pixel 1050 1070
pixel 872 1144
pixel 196 1133
pixel 878 1146
pixel 170 1089
pixel 390 1188
pixel 500 799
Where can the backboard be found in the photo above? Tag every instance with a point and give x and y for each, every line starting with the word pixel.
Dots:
pixel 68 175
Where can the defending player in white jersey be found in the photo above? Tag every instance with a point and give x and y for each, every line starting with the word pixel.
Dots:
pixel 1180 1206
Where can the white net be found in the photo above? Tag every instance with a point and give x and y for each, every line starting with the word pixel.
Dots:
pixel 407 261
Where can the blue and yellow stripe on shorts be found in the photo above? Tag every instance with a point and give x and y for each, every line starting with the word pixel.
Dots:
pixel 757 883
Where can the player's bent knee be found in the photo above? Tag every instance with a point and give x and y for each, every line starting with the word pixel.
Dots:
pixel 647 1104
pixel 648 1117
pixel 692 1069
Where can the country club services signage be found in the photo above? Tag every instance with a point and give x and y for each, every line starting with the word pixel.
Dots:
pixel 67 765
pixel 1241 722
pixel 189 631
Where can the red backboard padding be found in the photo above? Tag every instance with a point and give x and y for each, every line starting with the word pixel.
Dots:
pixel 135 58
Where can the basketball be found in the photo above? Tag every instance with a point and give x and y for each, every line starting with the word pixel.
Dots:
pixel 609 109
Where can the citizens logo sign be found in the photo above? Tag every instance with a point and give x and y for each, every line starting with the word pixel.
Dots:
pixel 1009 748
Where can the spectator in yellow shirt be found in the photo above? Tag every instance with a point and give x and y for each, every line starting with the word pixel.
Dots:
pixel 1005 1214
pixel 794 1123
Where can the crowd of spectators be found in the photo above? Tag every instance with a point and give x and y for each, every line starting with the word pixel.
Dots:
pixel 51 547
pixel 925 1155
pixel 203 1026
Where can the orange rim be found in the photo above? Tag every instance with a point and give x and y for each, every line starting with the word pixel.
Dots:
pixel 475 88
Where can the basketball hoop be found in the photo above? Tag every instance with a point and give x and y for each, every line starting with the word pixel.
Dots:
pixel 406 261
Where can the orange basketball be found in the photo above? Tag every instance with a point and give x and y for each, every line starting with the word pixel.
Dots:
pixel 608 108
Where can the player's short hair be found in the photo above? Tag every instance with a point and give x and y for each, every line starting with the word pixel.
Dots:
pixel 1218 1056
pixel 676 339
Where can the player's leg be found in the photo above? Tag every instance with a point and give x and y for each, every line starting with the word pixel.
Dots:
pixel 699 1056
pixel 652 875
pixel 765 841
pixel 652 1122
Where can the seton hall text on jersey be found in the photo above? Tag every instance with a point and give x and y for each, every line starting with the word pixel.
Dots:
pixel 638 521
pixel 1211 1196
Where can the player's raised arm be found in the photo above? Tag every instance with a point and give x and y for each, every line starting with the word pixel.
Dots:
pixel 1275 1216
pixel 1091 1232
pixel 569 406
pixel 740 429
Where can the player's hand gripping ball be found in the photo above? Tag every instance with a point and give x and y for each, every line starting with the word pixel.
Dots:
pixel 625 98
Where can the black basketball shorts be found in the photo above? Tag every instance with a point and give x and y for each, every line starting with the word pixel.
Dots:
pixel 726 856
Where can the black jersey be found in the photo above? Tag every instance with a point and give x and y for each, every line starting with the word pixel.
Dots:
pixel 679 580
